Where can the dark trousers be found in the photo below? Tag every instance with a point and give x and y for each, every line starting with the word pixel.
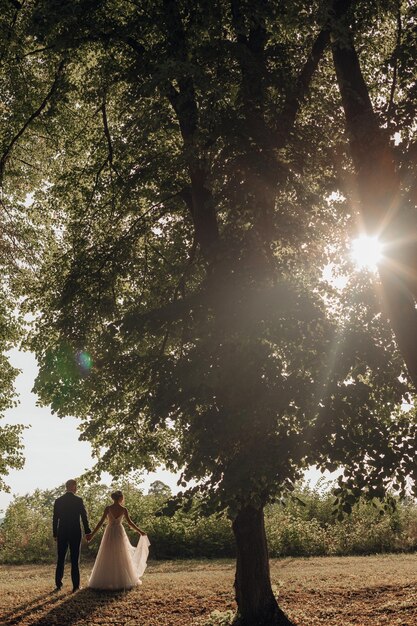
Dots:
pixel 73 542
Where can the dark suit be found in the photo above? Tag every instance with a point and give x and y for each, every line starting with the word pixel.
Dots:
pixel 68 509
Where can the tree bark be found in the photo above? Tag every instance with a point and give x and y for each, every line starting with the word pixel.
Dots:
pixel 256 603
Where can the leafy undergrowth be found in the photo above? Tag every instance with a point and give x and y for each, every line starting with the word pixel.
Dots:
pixel 360 591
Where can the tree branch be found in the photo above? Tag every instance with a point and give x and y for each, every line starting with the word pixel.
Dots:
pixel 379 191
pixel 395 69
pixel 6 154
pixel 336 10
pixel 107 132
pixel 377 178
pixel 37 51
pixel 183 101
pixel 297 95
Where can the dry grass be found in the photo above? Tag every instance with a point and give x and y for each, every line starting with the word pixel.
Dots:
pixel 360 591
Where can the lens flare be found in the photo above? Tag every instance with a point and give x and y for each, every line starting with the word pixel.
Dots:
pixel 366 252
pixel 84 361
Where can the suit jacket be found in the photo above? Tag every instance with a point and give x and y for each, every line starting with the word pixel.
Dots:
pixel 68 509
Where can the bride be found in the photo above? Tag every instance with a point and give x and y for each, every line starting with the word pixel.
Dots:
pixel 118 564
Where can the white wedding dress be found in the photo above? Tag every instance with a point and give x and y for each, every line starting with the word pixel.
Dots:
pixel 118 565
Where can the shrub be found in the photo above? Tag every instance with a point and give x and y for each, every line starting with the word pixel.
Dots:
pixel 305 526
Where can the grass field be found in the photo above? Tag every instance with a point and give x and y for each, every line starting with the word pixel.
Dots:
pixel 360 591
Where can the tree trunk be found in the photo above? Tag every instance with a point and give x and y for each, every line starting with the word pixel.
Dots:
pixel 256 602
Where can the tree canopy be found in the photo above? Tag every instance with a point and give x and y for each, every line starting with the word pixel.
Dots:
pixel 189 165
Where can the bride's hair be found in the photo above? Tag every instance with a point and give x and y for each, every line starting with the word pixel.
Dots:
pixel 117 495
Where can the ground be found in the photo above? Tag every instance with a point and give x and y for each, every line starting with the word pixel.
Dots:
pixel 345 591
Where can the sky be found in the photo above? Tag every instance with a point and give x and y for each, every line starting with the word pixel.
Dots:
pixel 52 450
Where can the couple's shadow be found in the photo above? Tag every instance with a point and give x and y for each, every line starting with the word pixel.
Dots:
pixel 63 610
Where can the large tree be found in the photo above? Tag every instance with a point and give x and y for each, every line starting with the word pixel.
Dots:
pixel 194 170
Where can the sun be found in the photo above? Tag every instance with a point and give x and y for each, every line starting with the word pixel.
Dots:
pixel 366 252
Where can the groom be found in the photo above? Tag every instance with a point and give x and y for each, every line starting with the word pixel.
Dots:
pixel 67 531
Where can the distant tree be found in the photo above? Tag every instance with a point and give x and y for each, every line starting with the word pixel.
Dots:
pixel 26 529
pixel 159 488
pixel 195 170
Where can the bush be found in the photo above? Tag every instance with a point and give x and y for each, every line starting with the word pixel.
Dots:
pixel 26 529
pixel 294 536
pixel 305 526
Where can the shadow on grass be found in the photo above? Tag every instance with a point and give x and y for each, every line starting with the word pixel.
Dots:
pixel 26 608
pixel 63 610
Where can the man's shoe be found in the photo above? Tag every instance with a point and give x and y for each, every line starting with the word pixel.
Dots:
pixel 58 588
pixel 74 589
